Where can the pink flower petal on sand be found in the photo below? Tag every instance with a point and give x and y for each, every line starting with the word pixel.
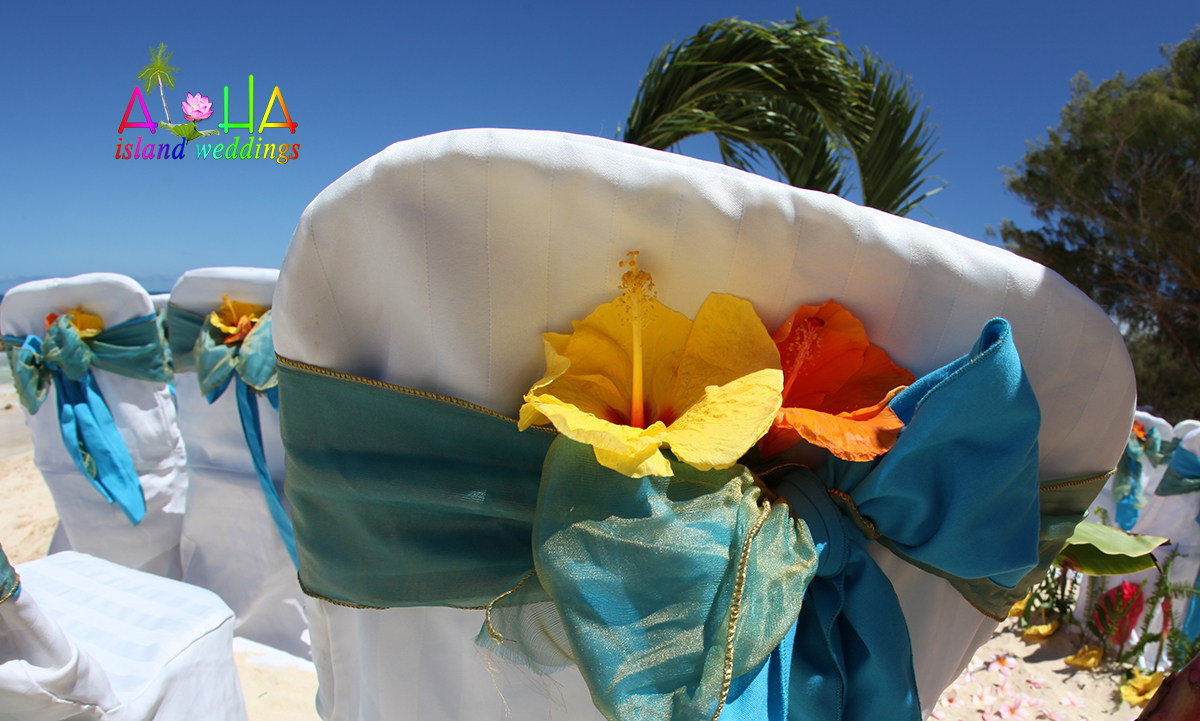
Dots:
pixel 951 700
pixel 1036 682
pixel 1005 690
pixel 1010 711
pixel 1051 715
pixel 983 698
pixel 1072 700
pixel 1004 663
pixel 1030 702
pixel 938 714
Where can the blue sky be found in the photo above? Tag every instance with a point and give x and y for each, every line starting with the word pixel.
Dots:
pixel 357 78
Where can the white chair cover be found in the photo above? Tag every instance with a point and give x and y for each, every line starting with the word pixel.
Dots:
pixel 1173 517
pixel 1158 513
pixel 437 264
pixel 1151 474
pixel 160 300
pixel 1182 428
pixel 230 544
pixel 144 413
pixel 88 639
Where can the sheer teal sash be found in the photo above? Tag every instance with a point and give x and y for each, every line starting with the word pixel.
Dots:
pixel 10 582
pixel 134 349
pixel 677 597
pixel 196 345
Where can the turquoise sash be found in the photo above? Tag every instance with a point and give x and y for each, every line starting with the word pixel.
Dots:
pixel 677 595
pixel 1182 476
pixel 250 365
pixel 1127 483
pixel 134 349
pixel 10 582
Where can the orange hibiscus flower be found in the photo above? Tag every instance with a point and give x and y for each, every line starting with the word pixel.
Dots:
pixel 837 385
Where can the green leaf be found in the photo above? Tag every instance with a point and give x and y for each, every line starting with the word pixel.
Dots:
pixel 187 131
pixel 1099 550
pixel 1114 540
pixel 1094 562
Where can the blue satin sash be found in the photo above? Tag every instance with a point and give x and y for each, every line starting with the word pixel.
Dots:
pixel 1127 482
pixel 250 365
pixel 135 349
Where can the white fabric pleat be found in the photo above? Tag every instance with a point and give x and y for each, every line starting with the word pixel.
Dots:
pixel 144 413
pixel 230 544
pixel 437 263
pixel 89 639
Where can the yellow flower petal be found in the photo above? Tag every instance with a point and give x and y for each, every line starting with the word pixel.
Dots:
pixel 1086 657
pixel 628 450
pixel 1138 690
pixel 718 429
pixel 88 325
pixel 1037 633
pixel 1018 608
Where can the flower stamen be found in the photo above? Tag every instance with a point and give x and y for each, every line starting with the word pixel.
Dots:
pixel 807 342
pixel 637 287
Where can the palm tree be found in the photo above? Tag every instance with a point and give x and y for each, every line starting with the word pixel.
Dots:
pixel 159 71
pixel 790 94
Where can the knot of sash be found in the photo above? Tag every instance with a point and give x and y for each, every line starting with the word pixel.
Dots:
pixel 135 349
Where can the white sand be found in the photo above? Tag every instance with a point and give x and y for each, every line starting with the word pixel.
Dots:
pixel 1032 683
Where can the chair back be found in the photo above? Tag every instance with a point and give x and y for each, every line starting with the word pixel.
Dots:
pixel 438 263
pixel 143 412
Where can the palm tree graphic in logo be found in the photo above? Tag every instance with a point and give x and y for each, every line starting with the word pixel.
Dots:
pixel 195 108
pixel 158 71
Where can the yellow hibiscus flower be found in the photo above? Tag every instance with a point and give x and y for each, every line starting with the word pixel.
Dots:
pixel 635 377
pixel 88 325
pixel 1138 690
pixel 236 319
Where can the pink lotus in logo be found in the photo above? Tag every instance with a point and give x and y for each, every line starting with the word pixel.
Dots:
pixel 196 107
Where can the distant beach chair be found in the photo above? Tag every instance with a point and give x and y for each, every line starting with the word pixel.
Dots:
pixel 436 265
pixel 83 638
pixel 119 483
pixel 237 515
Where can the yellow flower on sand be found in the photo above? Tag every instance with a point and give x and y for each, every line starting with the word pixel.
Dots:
pixel 1138 690
pixel 236 319
pixel 635 376
pixel 1088 657
pixel 1039 632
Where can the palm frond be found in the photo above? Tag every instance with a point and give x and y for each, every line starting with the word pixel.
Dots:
pixel 158 69
pixel 686 85
pixel 896 152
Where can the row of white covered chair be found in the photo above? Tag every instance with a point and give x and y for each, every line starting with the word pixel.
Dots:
pixel 435 267
pixel 205 518
pixel 1146 498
